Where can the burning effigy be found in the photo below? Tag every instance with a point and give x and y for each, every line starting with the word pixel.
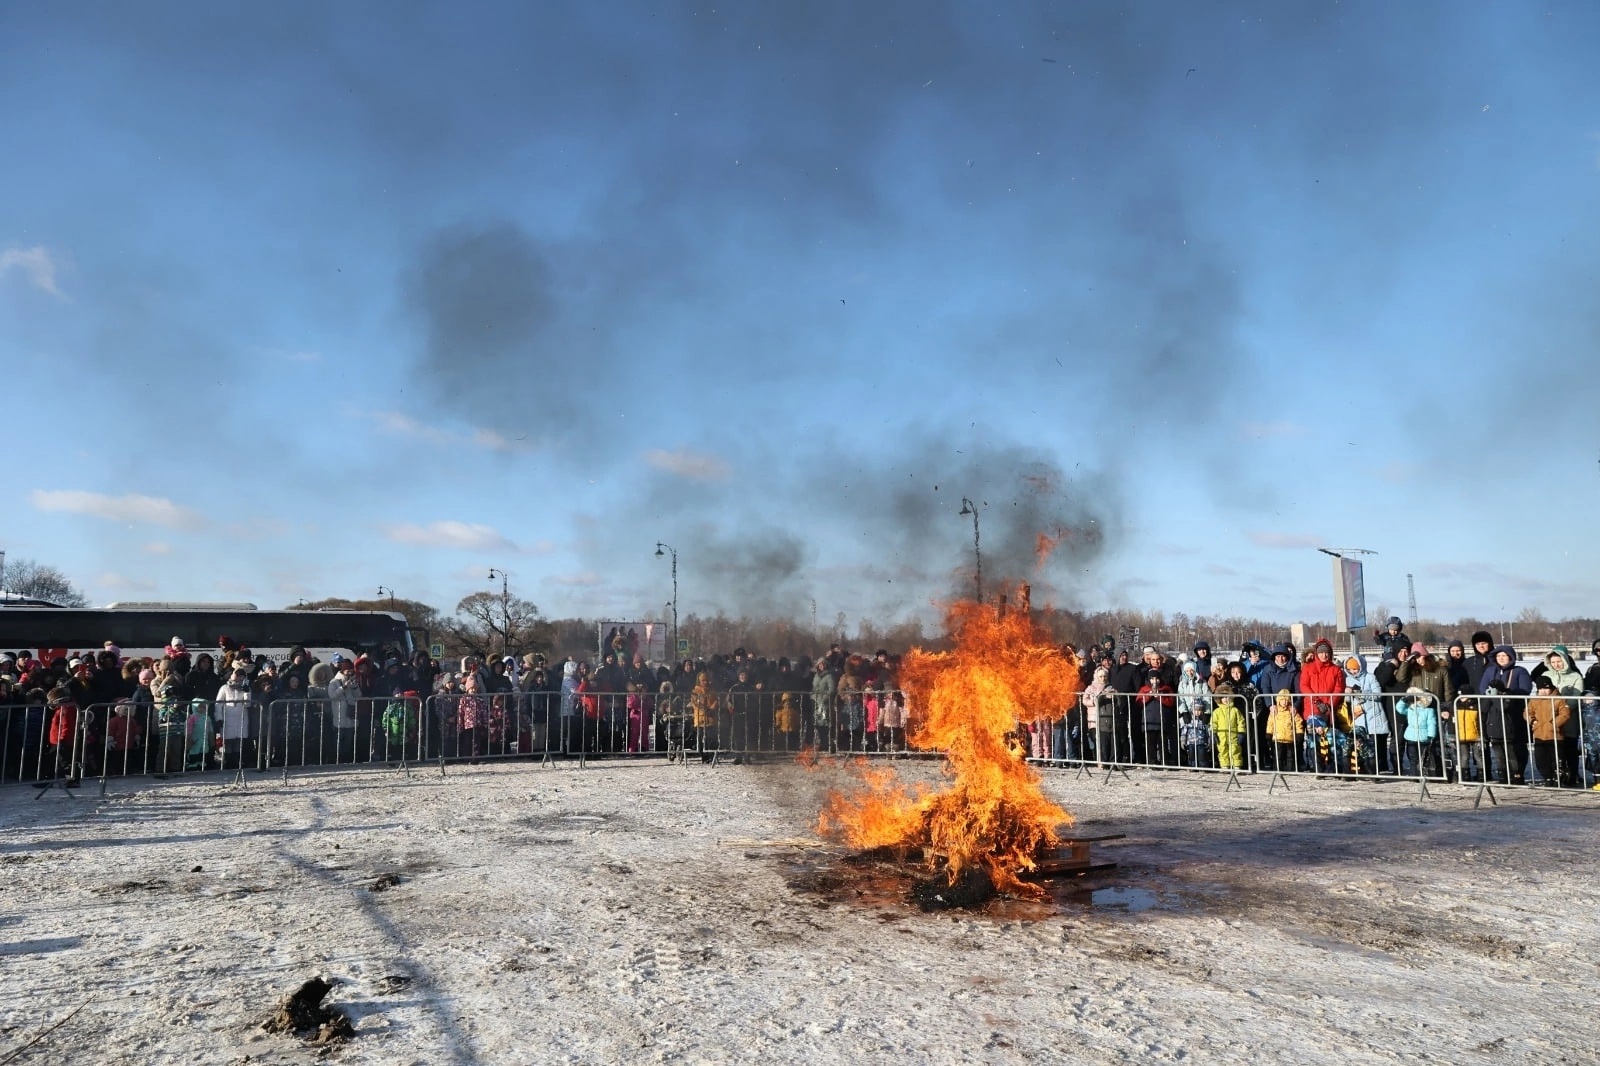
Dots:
pixel 988 818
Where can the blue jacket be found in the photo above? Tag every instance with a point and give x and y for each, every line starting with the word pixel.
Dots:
pixel 1275 679
pixel 1422 718
pixel 1502 719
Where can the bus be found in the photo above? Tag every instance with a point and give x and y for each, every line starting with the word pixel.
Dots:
pixel 144 629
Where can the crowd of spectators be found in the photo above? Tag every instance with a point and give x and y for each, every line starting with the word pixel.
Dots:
pixel 92 713
pixel 1271 709
pixel 1470 714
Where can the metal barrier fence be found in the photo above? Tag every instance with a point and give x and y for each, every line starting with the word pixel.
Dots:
pixel 1527 741
pixel 1355 735
pixel 1497 741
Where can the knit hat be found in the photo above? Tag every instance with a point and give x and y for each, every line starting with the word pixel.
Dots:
pixel 1354 664
pixel 146 676
pixel 1483 636
pixel 1419 648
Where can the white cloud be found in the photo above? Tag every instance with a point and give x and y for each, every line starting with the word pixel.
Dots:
pixel 133 508
pixel 1288 541
pixel 37 264
pixel 462 536
pixel 687 464
pixel 403 425
pixel 157 547
pixel 119 582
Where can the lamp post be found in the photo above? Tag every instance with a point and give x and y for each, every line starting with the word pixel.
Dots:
pixel 386 589
pixel 667 549
pixel 970 508
pixel 505 610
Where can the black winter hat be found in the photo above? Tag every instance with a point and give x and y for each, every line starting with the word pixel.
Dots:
pixel 1483 636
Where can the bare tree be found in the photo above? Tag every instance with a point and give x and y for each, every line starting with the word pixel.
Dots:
pixel 487 624
pixel 24 577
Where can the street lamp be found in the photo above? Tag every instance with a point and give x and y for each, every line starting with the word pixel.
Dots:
pixel 667 549
pixel 385 589
pixel 970 508
pixel 505 610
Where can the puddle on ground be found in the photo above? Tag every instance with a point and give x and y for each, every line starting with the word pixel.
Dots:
pixel 1123 898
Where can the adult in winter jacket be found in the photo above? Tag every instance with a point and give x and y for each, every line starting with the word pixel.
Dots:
pixel 1322 680
pixel 1563 673
pixel 1193 694
pixel 823 687
pixel 1455 666
pixel 1478 662
pixel 343 692
pixel 1591 679
pixel 1158 710
pixel 1126 675
pixel 1504 687
pixel 1255 662
pixel 1427 671
pixel 231 710
pixel 1368 718
pixel 1282 674
pixel 1255 713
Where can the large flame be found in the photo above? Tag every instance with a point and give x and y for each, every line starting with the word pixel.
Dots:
pixel 992 812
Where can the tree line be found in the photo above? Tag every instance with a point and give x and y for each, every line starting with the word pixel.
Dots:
pixel 487 623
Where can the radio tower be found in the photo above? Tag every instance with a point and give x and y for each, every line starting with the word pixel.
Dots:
pixel 1411 592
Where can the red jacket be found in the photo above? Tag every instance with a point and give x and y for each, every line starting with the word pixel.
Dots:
pixel 64 723
pixel 124 732
pixel 1320 678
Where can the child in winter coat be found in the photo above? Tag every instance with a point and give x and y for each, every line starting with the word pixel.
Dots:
pixel 1194 712
pixel 1369 723
pixel 199 738
pixel 398 726
pixel 1228 723
pixel 1284 726
pixel 1546 715
pixel 1421 733
pixel 63 737
pixel 124 739
pixel 1100 714
pixel 891 720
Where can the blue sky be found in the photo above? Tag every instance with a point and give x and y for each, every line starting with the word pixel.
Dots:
pixel 297 300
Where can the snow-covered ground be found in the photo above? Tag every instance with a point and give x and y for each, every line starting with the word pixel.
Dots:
pixel 620 913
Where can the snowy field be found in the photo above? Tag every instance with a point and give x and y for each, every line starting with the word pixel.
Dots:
pixel 626 913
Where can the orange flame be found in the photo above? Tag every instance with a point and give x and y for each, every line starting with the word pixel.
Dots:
pixel 1044 546
pixel 992 812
